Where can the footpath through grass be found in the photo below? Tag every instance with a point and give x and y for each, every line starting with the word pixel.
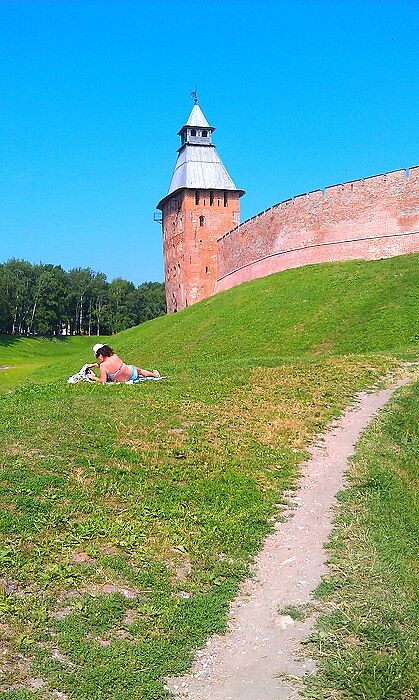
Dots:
pixel 367 637
pixel 128 515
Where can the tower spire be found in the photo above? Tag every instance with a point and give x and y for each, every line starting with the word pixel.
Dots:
pixel 194 94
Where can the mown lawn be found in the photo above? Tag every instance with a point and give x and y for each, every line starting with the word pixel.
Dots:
pixel 367 636
pixel 130 514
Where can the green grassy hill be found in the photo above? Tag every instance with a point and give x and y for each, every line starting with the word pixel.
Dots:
pixel 332 309
pixel 318 310
pixel 25 356
pixel 129 514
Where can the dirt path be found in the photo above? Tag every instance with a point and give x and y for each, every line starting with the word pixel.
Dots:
pixel 248 661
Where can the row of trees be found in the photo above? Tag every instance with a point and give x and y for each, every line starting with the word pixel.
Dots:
pixel 44 299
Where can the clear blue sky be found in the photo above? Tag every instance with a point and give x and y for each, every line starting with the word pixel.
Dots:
pixel 303 93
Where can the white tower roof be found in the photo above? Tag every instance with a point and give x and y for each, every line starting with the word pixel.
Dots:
pixel 196 118
pixel 198 165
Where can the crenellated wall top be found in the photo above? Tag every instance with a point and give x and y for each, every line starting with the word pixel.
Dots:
pixel 374 181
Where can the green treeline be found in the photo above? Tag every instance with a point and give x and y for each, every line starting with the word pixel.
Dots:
pixel 45 299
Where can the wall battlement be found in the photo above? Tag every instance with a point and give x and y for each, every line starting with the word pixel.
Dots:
pixel 370 218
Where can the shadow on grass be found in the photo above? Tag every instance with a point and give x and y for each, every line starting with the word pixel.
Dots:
pixel 8 340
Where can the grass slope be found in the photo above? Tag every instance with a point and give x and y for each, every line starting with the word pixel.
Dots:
pixel 333 309
pixel 130 514
pixel 25 356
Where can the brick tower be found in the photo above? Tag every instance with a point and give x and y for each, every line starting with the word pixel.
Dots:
pixel 201 205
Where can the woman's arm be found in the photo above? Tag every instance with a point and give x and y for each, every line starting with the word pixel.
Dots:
pixel 103 376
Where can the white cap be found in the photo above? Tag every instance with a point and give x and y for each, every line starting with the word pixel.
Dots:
pixel 97 347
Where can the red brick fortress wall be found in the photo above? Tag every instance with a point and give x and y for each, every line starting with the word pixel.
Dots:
pixel 369 219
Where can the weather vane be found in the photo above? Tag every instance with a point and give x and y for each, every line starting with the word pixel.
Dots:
pixel 194 94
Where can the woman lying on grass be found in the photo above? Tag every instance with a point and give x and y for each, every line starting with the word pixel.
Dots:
pixel 113 369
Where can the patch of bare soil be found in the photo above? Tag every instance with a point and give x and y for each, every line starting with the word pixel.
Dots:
pixel 258 656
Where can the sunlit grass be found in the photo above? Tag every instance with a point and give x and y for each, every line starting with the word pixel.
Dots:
pixel 129 515
pixel 366 638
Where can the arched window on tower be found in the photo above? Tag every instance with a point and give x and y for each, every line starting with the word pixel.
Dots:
pixel 201 220
pixel 225 199
pixel 196 196
pixel 193 132
pixel 204 133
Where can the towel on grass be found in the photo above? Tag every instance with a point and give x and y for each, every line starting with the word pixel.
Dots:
pixel 85 374
pixel 139 379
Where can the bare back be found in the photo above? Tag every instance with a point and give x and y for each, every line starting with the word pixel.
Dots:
pixel 115 369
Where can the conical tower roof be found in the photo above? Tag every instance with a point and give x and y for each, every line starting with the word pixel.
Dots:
pixel 197 118
pixel 198 165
